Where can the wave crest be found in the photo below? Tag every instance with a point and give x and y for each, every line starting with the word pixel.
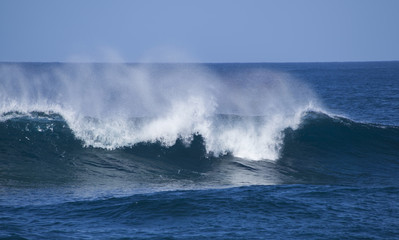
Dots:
pixel 114 106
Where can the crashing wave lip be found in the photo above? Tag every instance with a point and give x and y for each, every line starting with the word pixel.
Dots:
pixel 246 137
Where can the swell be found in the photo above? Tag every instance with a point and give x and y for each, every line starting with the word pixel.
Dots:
pixel 41 148
pixel 153 215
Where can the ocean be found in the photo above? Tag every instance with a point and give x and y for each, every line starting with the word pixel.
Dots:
pixel 199 151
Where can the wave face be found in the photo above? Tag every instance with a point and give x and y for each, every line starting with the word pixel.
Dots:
pixel 42 148
pixel 340 150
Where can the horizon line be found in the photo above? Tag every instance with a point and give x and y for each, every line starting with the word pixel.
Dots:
pixel 238 62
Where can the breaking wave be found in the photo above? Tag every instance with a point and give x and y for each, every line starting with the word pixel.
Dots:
pixel 115 105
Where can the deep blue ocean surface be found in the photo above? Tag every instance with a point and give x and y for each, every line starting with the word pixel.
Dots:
pixel 194 151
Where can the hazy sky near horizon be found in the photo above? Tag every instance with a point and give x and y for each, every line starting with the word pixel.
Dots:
pixel 199 31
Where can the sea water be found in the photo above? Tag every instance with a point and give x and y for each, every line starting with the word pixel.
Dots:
pixel 189 151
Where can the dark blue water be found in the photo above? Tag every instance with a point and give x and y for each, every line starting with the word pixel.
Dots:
pixel 185 151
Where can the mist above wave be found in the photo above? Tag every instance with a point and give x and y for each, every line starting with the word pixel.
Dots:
pixel 98 102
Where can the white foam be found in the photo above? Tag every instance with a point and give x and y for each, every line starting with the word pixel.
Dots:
pixel 103 105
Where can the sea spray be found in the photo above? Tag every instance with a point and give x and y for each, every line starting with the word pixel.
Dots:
pixel 119 105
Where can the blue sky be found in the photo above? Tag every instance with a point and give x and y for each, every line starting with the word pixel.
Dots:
pixel 200 31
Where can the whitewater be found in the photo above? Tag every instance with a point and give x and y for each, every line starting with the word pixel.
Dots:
pixel 114 106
